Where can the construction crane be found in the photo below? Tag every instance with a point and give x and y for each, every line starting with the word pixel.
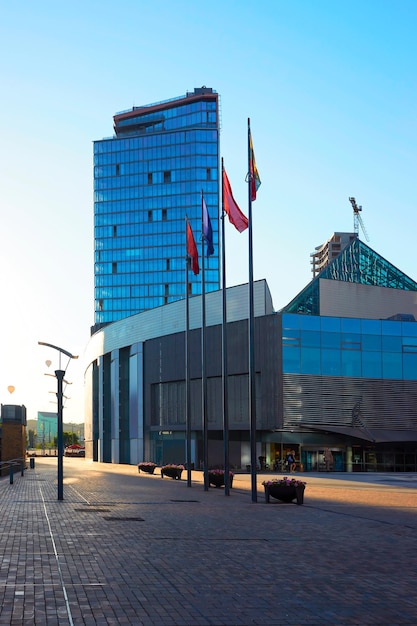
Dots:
pixel 357 219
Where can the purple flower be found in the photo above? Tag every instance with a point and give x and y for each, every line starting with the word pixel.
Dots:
pixel 284 482
pixel 219 472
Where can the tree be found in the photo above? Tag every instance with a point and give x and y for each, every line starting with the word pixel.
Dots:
pixel 31 439
pixel 68 438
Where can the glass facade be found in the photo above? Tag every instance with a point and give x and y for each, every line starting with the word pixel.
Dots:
pixel 360 348
pixel 357 263
pixel 147 179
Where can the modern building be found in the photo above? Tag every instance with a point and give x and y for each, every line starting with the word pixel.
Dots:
pixel 148 177
pixel 336 369
pixel 12 436
pixel 349 364
pixel 47 428
pixel 135 382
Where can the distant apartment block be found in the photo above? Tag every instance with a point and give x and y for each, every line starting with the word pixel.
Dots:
pixel 329 250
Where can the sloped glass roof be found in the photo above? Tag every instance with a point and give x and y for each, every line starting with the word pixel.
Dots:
pixel 357 263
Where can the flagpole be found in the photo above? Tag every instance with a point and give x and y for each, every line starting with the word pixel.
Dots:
pixel 252 386
pixel 187 368
pixel 224 355
pixel 240 222
pixel 203 356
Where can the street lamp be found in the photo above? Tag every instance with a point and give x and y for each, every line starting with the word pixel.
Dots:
pixel 63 395
pixel 53 375
pixel 59 374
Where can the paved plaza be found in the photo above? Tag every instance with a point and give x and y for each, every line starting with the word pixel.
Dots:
pixel 128 548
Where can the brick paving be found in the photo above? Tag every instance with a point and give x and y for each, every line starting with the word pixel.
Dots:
pixel 133 549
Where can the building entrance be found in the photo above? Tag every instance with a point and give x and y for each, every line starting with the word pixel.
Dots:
pixel 314 460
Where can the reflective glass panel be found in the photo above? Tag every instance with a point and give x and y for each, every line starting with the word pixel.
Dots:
pixel 391 328
pixel 351 363
pixel 310 338
pixel 310 361
pixel 292 342
pixel 309 322
pixel 330 363
pixel 350 325
pixel 330 340
pixel 290 334
pixel 291 362
pixel 392 344
pixel 354 338
pixel 371 327
pixel 291 321
pixel 410 366
pixel 392 365
pixel 330 324
pixel 409 328
pixel 371 343
pixel 371 365
pixel 409 344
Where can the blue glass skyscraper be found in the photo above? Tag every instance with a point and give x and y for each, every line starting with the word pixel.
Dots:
pixel 147 178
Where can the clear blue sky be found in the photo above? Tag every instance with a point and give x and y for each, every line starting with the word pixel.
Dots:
pixel 329 85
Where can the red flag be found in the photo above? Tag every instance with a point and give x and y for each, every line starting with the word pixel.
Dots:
pixel 192 249
pixel 236 217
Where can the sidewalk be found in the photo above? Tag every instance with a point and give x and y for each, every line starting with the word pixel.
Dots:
pixel 128 548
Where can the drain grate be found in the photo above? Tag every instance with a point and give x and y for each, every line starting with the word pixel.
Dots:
pixel 91 510
pixel 124 519
pixel 184 500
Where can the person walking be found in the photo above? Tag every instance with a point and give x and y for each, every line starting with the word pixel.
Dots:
pixel 291 461
pixel 328 458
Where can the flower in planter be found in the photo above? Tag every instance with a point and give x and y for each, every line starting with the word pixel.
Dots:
pixel 219 472
pixel 284 482
pixel 285 489
pixel 146 466
pixel 216 477
pixel 171 470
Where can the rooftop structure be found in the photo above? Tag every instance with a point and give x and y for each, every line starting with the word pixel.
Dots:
pixel 359 264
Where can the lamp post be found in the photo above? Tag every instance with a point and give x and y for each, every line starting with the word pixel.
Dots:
pixel 59 374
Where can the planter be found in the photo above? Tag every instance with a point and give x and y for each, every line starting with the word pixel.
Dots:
pixel 217 480
pixel 148 469
pixel 284 493
pixel 171 472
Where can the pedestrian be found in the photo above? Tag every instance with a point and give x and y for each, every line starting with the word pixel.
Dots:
pixel 291 461
pixel 328 458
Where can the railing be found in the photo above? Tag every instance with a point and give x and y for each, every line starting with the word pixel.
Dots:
pixel 12 466
pixel 154 104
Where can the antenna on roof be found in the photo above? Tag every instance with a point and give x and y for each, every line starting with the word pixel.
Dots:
pixel 357 219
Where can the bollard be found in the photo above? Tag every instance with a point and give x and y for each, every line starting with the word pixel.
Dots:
pixel 11 474
pixel 32 462
pixel 22 468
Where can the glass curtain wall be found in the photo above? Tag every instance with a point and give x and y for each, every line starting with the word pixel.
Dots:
pixel 147 179
pixel 333 346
